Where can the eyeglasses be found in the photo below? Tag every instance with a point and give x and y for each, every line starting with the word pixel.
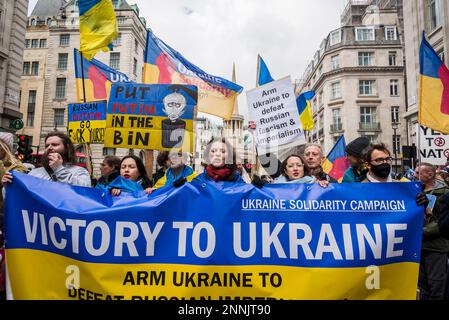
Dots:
pixel 382 160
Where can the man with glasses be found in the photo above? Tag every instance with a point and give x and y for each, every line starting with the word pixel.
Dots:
pixel 378 160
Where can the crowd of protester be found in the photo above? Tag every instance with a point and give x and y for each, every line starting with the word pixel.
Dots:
pixel 369 163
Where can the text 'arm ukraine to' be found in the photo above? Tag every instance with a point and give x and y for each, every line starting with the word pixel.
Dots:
pixel 204 241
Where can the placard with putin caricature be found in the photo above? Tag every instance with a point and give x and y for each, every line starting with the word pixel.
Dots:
pixel 154 117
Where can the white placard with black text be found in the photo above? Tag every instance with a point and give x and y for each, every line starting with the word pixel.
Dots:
pixel 273 108
pixel 433 146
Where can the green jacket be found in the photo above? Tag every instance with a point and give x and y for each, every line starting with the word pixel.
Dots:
pixel 432 239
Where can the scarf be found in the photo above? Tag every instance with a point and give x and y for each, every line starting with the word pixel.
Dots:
pixel 219 174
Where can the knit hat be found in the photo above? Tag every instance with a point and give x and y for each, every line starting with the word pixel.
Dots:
pixel 356 147
pixel 8 139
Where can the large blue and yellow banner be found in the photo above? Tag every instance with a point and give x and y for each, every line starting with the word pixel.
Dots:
pixel 156 117
pixel 215 241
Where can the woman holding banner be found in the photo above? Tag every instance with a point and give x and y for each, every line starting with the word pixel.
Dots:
pixel 295 170
pixel 133 177
pixel 220 163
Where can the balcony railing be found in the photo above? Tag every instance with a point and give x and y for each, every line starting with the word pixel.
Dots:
pixel 337 127
pixel 372 126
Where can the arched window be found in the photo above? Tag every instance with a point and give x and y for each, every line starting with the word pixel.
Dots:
pixel 33 22
pixel 48 21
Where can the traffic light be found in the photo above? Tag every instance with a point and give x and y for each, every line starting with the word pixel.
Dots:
pixel 24 149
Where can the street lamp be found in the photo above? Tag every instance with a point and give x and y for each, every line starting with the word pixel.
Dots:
pixel 395 126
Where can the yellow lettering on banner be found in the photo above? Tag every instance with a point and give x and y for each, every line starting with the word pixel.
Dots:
pixel 175 282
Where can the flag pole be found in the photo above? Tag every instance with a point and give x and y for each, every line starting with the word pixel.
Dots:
pixel 82 75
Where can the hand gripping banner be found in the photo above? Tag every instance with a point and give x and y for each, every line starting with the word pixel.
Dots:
pixel 213 241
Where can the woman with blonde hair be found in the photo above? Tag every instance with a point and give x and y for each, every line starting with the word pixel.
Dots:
pixel 8 162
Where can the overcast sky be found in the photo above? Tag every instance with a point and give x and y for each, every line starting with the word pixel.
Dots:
pixel 213 34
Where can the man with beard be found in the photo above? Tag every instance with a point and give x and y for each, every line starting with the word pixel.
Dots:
pixel 58 163
pixel 357 172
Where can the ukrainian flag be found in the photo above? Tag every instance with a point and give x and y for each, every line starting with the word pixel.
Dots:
pixel 305 110
pixel 434 89
pixel 98 79
pixel 164 65
pixel 336 164
pixel 263 74
pixel 98 26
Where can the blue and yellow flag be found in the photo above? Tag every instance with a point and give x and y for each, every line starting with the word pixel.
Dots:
pixel 164 65
pixel 263 76
pixel 98 26
pixel 434 89
pixel 305 110
pixel 98 79
pixel 336 163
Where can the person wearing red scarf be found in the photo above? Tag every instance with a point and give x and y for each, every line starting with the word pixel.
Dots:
pixel 220 163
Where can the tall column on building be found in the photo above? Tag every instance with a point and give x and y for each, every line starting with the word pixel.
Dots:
pixel 233 128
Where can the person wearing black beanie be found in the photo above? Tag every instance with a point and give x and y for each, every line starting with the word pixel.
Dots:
pixel 354 150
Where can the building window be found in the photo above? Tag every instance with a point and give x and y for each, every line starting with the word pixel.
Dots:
pixel 31 108
pixel 64 40
pixel 335 37
pixel 320 98
pixel 116 4
pixel 59 117
pixel 335 62
pixel 48 21
pixel 336 120
pixel 435 14
pixel 43 43
pixel 26 68
pixel 314 106
pixel 62 61
pixel 118 41
pixel 366 87
pixel 114 61
pixel 27 43
pixel 33 22
pixel 372 139
pixel 396 144
pixel 366 59
pixel 394 88
pixel 34 43
pixel 392 58
pixel 390 33
pixel 394 114
pixel 60 88
pixel 368 115
pixel 109 151
pixel 135 67
pixel 364 34
pixel 35 68
pixel 136 46
pixel 121 20
pixel 336 92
